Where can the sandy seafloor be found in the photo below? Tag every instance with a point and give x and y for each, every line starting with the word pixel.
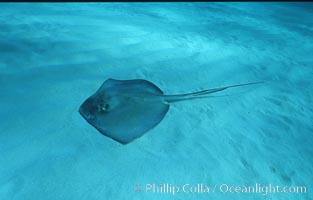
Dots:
pixel 53 56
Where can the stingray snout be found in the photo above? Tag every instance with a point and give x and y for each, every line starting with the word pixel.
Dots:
pixel 88 108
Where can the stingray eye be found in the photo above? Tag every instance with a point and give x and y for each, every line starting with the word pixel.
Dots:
pixel 103 107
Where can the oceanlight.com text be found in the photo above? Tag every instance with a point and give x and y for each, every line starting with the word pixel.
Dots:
pixel 200 188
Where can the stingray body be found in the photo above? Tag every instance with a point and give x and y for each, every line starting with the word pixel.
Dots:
pixel 126 109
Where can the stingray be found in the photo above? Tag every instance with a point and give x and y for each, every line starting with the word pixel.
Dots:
pixel 127 109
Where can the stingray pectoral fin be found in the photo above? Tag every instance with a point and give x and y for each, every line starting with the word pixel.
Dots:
pixel 200 94
pixel 131 120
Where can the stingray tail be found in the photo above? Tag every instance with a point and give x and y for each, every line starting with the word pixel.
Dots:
pixel 200 94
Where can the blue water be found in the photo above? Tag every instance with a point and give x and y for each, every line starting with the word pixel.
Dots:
pixel 53 56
